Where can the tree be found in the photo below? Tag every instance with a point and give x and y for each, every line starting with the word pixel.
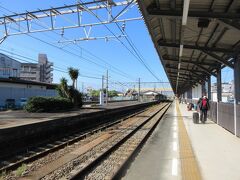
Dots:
pixel 73 73
pixel 63 88
pixel 112 93
pixel 70 93
pixel 75 96
pixel 95 93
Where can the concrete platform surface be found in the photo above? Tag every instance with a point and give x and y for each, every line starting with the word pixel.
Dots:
pixel 215 150
pixel 158 158
pixel 13 118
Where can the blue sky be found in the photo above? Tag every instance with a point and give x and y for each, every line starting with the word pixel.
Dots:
pixel 99 52
pixel 112 52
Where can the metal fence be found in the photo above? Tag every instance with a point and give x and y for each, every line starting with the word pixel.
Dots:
pixel 212 114
pixel 223 114
pixel 226 116
pixel 238 120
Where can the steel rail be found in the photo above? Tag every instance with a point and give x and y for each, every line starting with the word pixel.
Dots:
pixel 80 174
pixel 69 141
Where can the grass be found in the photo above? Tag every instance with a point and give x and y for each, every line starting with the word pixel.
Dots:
pixel 2 175
pixel 21 170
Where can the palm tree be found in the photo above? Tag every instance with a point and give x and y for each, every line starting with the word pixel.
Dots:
pixel 63 88
pixel 73 73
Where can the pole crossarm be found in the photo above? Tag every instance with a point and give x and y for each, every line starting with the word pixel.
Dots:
pixel 62 10
pixel 153 10
pixel 66 17
pixel 106 38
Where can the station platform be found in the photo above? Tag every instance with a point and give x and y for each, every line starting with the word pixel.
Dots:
pixel 179 149
pixel 14 118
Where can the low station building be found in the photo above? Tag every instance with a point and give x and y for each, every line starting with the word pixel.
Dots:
pixel 15 89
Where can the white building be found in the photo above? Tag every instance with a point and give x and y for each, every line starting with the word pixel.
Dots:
pixel 41 71
pixel 30 71
pixel 227 92
pixel 15 89
pixel 9 67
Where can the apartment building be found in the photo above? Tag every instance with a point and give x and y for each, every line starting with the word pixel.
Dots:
pixel 41 71
pixel 9 67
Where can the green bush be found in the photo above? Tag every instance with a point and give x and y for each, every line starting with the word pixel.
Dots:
pixel 48 104
pixel 76 97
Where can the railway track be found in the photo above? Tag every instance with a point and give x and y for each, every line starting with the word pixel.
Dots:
pixel 87 155
pixel 38 151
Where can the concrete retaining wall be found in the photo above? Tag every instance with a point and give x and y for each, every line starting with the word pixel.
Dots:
pixel 12 139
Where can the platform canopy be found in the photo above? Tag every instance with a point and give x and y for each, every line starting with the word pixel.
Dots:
pixel 194 38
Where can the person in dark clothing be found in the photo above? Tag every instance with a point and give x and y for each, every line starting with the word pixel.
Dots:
pixel 200 99
pixel 204 106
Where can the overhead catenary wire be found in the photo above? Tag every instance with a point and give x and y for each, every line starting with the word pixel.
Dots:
pixel 55 68
pixel 125 46
pixel 137 56
pixel 14 53
pixel 127 37
pixel 66 51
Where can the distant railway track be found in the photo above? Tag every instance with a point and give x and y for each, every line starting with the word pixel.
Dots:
pixel 76 156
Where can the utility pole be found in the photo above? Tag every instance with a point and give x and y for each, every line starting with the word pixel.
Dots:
pixel 102 83
pixel 139 89
pixel 83 87
pixel 107 88
pixel 101 94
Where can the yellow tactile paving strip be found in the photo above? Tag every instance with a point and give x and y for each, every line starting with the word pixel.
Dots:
pixel 189 166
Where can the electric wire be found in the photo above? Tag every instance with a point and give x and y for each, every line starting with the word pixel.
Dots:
pixel 127 37
pixel 136 56
pixel 122 73
pixel 131 44
pixel 20 57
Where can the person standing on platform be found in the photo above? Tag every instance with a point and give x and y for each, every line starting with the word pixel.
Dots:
pixel 204 106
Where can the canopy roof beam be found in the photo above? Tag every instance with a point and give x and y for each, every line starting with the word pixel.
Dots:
pixel 192 60
pixel 153 10
pixel 201 48
pixel 206 50
pixel 198 65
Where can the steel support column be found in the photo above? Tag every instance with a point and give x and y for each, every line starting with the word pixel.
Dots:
pixel 236 93
pixel 204 88
pixel 189 93
pixel 237 80
pixel 209 89
pixel 219 85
